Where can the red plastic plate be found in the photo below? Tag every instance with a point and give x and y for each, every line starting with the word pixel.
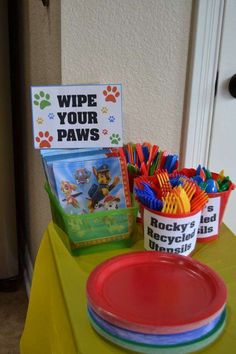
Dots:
pixel 154 292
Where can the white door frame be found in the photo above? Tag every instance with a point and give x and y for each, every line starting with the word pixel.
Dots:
pixel 207 29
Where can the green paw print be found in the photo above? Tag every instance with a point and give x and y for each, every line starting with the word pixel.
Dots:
pixel 115 139
pixel 42 100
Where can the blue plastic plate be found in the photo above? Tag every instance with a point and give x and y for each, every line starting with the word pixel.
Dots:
pixel 155 339
pixel 157 349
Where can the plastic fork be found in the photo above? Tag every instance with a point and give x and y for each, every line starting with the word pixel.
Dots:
pixel 141 159
pixel 170 205
pixel 199 201
pixel 153 152
pixel 148 200
pixel 182 199
pixel 163 177
pixel 190 188
pixel 166 188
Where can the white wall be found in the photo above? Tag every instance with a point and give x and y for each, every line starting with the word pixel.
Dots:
pixel 142 44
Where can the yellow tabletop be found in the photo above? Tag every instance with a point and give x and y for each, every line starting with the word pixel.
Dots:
pixel 57 320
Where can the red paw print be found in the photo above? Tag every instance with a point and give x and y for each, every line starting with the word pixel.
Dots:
pixel 111 94
pixel 47 138
pixel 105 131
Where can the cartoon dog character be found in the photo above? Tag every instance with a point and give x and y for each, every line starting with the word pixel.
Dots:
pixel 99 191
pixel 99 207
pixel 82 175
pixel 111 202
pixel 67 189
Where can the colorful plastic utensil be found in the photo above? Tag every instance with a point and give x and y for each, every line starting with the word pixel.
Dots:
pixel 190 188
pixel 170 204
pixel 199 200
pixel 211 186
pixel 182 198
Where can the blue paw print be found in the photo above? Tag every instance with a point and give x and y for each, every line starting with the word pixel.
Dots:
pixel 51 115
pixel 111 119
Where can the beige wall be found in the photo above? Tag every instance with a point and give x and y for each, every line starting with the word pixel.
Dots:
pixel 142 44
pixel 40 65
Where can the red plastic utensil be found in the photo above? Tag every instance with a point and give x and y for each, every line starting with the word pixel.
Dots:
pixel 141 159
pixel 152 155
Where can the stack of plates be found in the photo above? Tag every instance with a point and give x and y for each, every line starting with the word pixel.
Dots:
pixel 153 302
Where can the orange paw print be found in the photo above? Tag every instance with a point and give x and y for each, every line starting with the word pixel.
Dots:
pixel 47 138
pixel 105 131
pixel 111 94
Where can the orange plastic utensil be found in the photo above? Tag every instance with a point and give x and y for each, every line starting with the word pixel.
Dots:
pixel 190 188
pixel 141 159
pixel 183 200
pixel 199 201
pixel 170 205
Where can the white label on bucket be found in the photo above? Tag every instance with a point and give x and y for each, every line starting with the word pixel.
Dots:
pixel 173 235
pixel 209 222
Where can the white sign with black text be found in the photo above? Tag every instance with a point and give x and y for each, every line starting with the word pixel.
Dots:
pixel 209 222
pixel 77 116
pixel 173 235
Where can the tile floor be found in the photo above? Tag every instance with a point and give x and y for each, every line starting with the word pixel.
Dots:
pixel 13 307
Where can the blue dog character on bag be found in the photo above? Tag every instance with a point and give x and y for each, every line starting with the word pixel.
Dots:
pixel 99 191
